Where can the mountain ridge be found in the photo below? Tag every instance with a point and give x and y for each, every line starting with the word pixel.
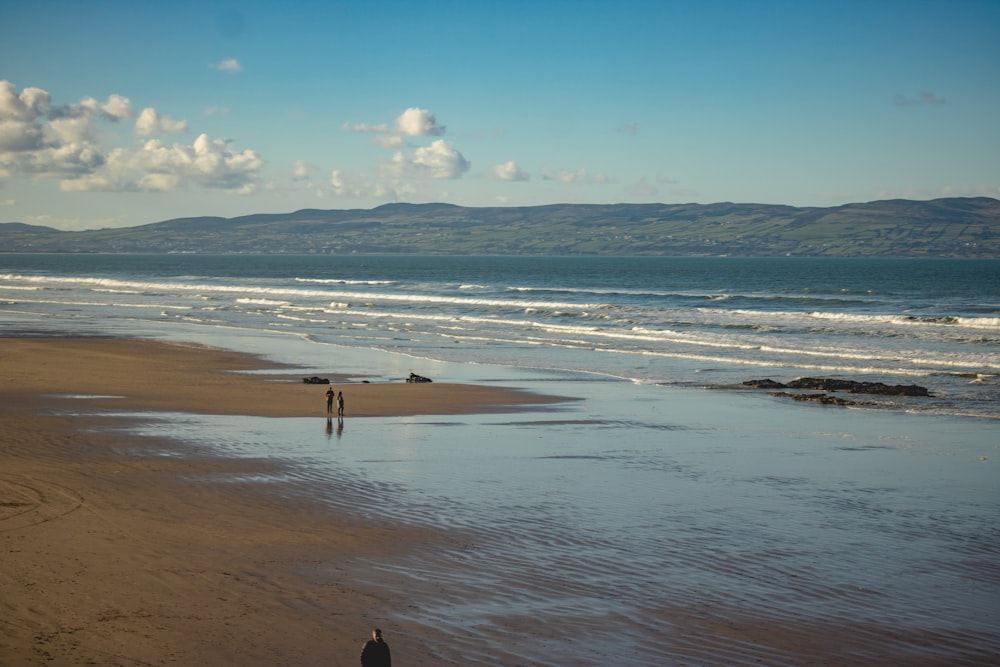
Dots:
pixel 963 227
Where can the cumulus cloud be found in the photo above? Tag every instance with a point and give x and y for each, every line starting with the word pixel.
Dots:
pixel 439 160
pixel 151 122
pixel 42 140
pixel 411 161
pixel 509 171
pixel 416 122
pixel 302 170
pixel 117 108
pixel 228 65
pixel 29 104
pixel 37 137
pixel 20 118
pixel 209 163
pixel 347 185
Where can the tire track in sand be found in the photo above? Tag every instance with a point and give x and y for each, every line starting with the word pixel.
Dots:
pixel 26 502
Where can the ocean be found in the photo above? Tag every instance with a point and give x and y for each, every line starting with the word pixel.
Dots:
pixel 668 515
pixel 693 322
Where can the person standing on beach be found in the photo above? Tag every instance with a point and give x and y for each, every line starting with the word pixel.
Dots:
pixel 340 404
pixel 329 400
pixel 375 652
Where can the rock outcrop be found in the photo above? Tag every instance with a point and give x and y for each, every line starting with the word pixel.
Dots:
pixel 849 386
pixel 825 399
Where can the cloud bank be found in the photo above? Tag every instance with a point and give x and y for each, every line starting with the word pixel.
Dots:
pixel 42 140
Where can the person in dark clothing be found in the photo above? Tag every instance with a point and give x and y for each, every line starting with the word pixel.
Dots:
pixel 340 403
pixel 329 400
pixel 375 652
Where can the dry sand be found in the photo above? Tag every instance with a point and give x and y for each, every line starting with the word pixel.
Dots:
pixel 112 555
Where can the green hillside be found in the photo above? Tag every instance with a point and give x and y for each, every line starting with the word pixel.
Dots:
pixel 955 227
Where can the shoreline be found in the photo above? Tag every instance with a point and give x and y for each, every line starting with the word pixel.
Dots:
pixel 115 553
pixel 150 375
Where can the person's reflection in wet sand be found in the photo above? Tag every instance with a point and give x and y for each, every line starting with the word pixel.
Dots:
pixel 329 426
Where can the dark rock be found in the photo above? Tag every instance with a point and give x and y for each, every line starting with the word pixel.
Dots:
pixel 767 383
pixel 316 380
pixel 853 387
pixel 825 399
pixel 417 378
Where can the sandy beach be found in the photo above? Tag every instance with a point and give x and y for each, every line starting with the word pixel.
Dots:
pixel 112 556
pixel 165 503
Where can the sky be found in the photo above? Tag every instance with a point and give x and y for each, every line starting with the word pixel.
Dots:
pixel 120 113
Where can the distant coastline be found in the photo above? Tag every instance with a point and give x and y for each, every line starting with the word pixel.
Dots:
pixel 958 228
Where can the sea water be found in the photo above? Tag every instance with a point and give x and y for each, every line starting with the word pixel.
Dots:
pixel 655 520
pixel 680 321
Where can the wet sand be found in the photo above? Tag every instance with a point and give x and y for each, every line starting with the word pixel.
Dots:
pixel 152 375
pixel 121 549
pixel 114 554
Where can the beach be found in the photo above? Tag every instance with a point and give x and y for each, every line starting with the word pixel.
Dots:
pixel 111 555
pixel 122 546
pixel 586 482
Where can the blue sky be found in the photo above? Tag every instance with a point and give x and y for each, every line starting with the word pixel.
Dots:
pixel 124 113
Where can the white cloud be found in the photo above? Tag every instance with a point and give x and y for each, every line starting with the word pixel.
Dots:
pixel 509 171
pixel 347 185
pixel 117 108
pixel 208 163
pixel 302 170
pixel 228 65
pixel 416 122
pixel 27 105
pixel 439 160
pixel 21 117
pixel 150 121
pixel 17 136
pixel 42 140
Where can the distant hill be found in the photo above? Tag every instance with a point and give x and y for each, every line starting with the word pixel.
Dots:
pixel 954 227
